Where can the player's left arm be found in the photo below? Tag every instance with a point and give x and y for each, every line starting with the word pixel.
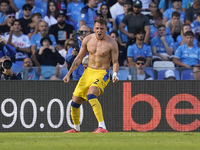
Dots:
pixel 115 55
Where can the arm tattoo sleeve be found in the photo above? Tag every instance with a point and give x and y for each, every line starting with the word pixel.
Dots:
pixel 75 63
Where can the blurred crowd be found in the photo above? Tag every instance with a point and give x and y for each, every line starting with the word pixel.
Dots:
pixel 42 37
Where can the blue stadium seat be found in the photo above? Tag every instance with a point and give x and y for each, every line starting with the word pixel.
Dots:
pixel 123 74
pixel 150 72
pixel 187 75
pixel 161 74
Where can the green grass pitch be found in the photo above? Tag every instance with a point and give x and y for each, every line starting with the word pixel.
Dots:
pixel 106 141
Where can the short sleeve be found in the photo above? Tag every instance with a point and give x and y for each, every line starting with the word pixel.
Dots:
pixel 149 52
pixel 125 19
pixel 33 42
pixel 171 42
pixel 166 14
pixel 178 52
pixel 146 23
pixel 84 15
pixel 161 4
pixel 153 42
pixel 179 39
pixel 184 3
pixel 28 43
pixel 130 52
pixel 188 14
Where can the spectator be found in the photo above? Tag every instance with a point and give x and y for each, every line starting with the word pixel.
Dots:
pixel 164 5
pixel 196 27
pixel 157 17
pixel 111 24
pixel 35 39
pixel 10 17
pixel 191 13
pixel 186 4
pixel 82 33
pixel 4 6
pixel 20 41
pixel 61 5
pixel 117 9
pixel 42 4
pixel 61 31
pixel 77 73
pixel 6 73
pixel 88 14
pixel 101 2
pixel 140 65
pixel 153 9
pixel 16 5
pixel 67 45
pixel 176 7
pixel 162 45
pixel 127 5
pixel 111 2
pixel 6 49
pixel 85 62
pixel 34 10
pixel 169 75
pixel 30 72
pixel 136 20
pixel 33 27
pixel 26 19
pixel 196 72
pixel 187 55
pixel 181 38
pixel 52 12
pixel 73 10
pixel 139 49
pixel 145 5
pixel 122 50
pixel 175 25
pixel 48 57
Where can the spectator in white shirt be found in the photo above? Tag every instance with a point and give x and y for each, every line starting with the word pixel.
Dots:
pixel 117 9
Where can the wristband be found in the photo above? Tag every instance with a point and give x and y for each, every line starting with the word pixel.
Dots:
pixel 115 75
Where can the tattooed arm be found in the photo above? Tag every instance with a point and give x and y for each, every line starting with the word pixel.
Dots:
pixel 78 58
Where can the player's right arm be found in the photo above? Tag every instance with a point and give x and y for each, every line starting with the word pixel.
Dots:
pixel 78 58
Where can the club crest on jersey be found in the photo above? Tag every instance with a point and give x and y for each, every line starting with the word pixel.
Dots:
pixel 82 15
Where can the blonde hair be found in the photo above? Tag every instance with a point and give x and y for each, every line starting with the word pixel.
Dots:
pixel 67 41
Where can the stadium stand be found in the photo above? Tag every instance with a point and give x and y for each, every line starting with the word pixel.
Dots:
pixel 160 65
pixel 187 75
pixel 161 74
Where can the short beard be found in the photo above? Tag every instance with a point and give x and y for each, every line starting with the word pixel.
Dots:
pixel 137 13
pixel 142 39
pixel 61 23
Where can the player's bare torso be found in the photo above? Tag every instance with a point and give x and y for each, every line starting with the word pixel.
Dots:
pixel 99 52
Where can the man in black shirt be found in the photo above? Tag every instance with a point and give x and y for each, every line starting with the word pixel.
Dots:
pixel 61 30
pixel 135 20
pixel 26 19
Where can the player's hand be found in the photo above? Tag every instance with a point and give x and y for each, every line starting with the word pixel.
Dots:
pixel 115 78
pixel 66 78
